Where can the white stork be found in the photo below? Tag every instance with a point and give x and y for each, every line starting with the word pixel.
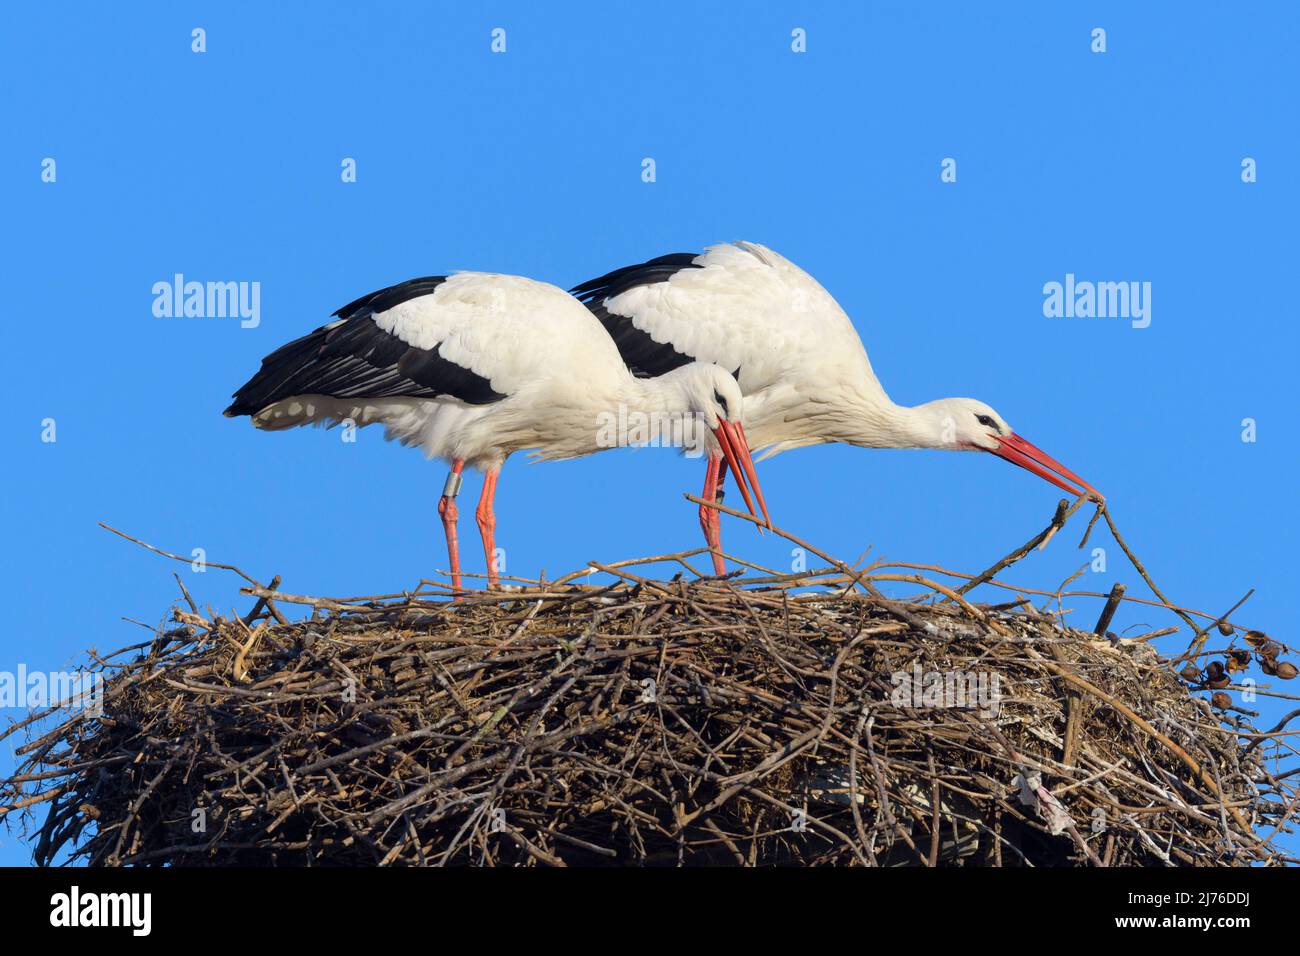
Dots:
pixel 474 366
pixel 801 366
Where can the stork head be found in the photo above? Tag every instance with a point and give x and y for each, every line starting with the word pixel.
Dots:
pixel 711 392
pixel 967 424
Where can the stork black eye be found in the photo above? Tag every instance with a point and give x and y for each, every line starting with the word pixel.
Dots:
pixel 987 421
pixel 717 397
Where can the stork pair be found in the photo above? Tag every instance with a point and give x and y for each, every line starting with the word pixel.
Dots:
pixel 476 366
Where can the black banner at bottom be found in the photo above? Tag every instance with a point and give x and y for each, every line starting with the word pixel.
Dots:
pixel 336 905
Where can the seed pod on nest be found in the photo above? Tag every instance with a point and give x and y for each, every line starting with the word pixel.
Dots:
pixel 1238 661
pixel 1221 700
pixel 1190 672
pixel 1216 675
pixel 1286 670
pixel 1271 649
pixel 1225 629
pixel 1256 638
pixel 1267 665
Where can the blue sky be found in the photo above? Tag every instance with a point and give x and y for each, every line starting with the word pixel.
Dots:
pixel 225 165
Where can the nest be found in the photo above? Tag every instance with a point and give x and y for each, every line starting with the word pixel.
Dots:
pixel 800 719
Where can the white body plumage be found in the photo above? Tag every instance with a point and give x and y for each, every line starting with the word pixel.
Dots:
pixel 554 370
pixel 802 368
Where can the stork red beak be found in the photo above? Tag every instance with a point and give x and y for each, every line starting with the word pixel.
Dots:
pixel 731 437
pixel 1020 452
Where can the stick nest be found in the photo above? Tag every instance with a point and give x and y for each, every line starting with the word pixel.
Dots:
pixel 645 723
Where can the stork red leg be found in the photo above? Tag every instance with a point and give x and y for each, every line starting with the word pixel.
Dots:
pixel 487 525
pixel 449 512
pixel 710 520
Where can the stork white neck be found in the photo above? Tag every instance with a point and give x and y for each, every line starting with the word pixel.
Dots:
pixel 687 394
pixel 868 421
pixel 929 425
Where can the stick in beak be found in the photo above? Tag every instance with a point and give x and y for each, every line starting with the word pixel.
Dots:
pixel 731 438
pixel 1031 458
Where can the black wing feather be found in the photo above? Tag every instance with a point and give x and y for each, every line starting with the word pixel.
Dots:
pixel 641 353
pixel 355 358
